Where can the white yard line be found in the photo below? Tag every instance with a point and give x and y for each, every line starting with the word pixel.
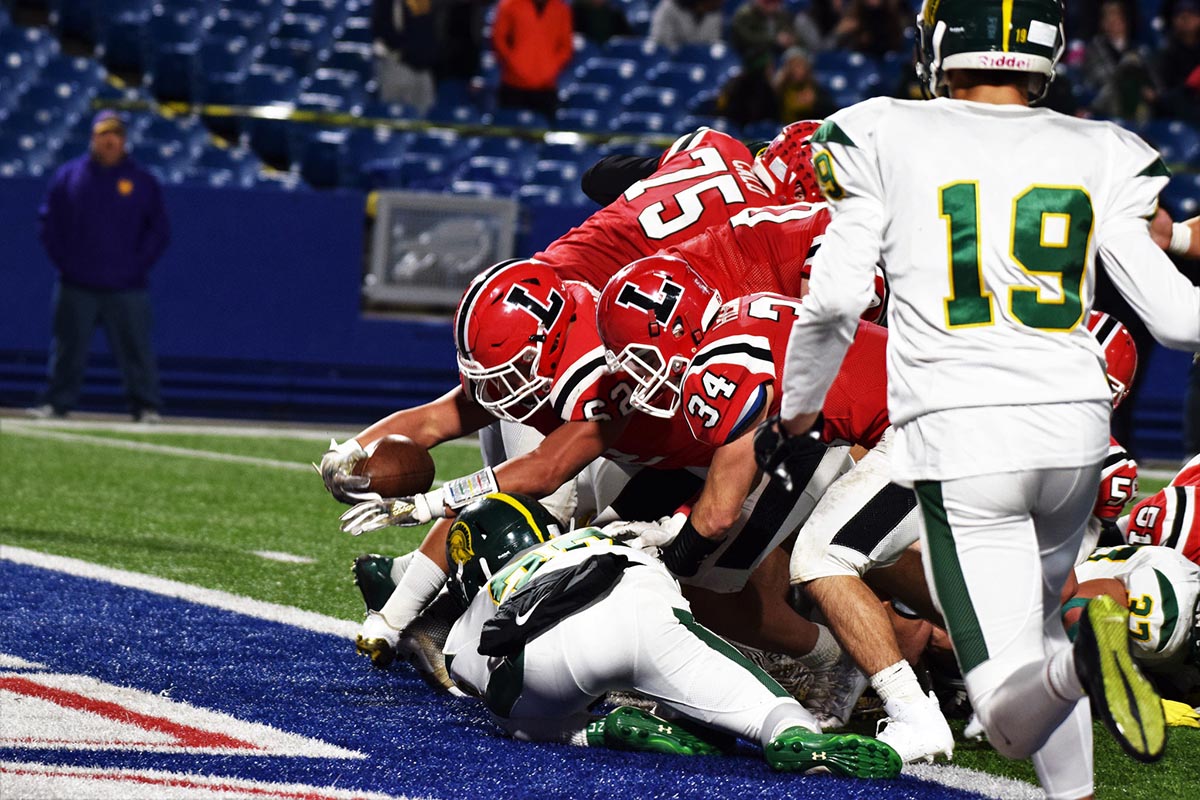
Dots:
pixel 259 609
pixel 287 558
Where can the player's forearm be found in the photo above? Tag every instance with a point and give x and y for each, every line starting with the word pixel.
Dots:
pixel 731 477
pixel 450 416
pixel 1185 238
pixel 1165 300
pixel 560 457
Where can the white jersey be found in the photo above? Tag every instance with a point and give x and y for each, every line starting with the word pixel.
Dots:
pixel 988 220
pixel 1163 587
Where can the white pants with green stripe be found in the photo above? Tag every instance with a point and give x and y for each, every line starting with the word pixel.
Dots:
pixel 997 551
pixel 639 637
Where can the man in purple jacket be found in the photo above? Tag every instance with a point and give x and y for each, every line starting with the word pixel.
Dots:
pixel 104 226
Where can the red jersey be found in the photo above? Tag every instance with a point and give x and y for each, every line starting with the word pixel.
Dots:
pixel 701 181
pixel 724 388
pixel 1169 517
pixel 583 390
pixel 767 249
pixel 1118 482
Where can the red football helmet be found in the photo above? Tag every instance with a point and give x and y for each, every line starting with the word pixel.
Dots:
pixel 785 165
pixel 652 315
pixel 1120 353
pixel 510 332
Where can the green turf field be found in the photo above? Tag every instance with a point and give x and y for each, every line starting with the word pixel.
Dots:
pixel 173 510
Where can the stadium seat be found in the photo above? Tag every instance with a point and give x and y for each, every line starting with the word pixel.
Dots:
pixel 239 162
pixel 578 151
pixel 641 122
pixel 121 47
pixel 538 194
pixel 556 173
pixel 518 118
pixel 173 72
pixel 321 159
pixel 579 119
pixel 492 169
pixel 409 171
pixel 265 84
pixel 761 131
pixel 652 99
pixel 1182 196
pixel 351 56
pixel 482 189
pixel 271 139
pixel 365 145
pixel 228 23
pixel 694 121
pixel 225 56
pixel 1176 141
pixel 685 78
pixel 441 144
pixel 74 19
pixel 619 73
pixel 455 113
pixel 635 48
pixel 598 96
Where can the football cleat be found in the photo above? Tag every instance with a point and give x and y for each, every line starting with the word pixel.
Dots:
pixel 377 639
pixel 1122 697
pixel 424 639
pixel 373 577
pixel 628 728
pixel 845 754
pixel 919 732
pixel 835 692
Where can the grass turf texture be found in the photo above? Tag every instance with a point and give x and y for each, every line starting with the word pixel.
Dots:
pixel 198 521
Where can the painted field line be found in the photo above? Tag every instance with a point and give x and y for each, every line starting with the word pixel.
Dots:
pixel 192 428
pixel 287 558
pixel 972 780
pixel 259 609
pixel 162 449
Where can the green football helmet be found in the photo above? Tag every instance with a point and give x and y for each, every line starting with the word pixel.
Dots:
pixel 488 533
pixel 1013 35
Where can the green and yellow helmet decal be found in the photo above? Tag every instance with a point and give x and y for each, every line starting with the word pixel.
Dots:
pixel 1011 35
pixel 487 534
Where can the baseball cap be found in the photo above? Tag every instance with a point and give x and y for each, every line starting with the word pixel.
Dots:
pixel 108 120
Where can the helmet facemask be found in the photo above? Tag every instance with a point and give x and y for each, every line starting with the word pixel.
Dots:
pixel 658 380
pixel 512 391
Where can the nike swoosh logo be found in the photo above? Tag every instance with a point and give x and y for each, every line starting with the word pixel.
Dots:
pixel 521 619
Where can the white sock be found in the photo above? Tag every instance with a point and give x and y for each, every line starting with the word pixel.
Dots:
pixel 400 564
pixel 897 685
pixel 825 652
pixel 421 581
pixel 1060 674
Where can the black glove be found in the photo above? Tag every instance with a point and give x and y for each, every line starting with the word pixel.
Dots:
pixel 774 448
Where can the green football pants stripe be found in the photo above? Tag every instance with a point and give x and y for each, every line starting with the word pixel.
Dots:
pixel 729 651
pixel 961 620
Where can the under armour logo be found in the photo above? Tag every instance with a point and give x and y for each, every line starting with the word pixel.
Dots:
pixel 819 756
pixel 664 728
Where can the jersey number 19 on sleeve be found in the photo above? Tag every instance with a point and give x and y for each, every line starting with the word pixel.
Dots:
pixel 1051 230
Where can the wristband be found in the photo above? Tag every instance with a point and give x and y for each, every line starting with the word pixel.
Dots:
pixel 462 491
pixel 687 551
pixel 1181 239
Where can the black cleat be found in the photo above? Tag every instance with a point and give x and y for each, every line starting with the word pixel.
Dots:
pixel 373 577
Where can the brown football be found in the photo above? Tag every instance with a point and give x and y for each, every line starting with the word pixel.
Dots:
pixel 397 467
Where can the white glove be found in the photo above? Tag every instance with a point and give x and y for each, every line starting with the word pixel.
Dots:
pixel 337 464
pixel 649 537
pixel 372 515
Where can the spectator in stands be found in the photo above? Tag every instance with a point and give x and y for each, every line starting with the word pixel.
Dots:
pixel 533 43
pixel 1179 64
pixel 406 51
pixel 460 38
pixel 749 96
pixel 599 20
pixel 104 226
pixel 680 22
pixel 874 27
pixel 1117 67
pixel 761 29
pixel 799 95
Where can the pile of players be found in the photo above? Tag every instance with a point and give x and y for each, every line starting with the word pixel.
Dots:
pixel 619 377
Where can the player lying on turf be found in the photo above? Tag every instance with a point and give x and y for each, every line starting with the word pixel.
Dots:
pixel 552 623
pixel 718 371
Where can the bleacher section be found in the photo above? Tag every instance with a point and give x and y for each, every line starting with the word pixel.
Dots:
pixel 312 58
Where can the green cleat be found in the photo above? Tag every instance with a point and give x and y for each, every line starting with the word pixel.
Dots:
pixel 629 728
pixel 1122 697
pixel 373 577
pixel 846 754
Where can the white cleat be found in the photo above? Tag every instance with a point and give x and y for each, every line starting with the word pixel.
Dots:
pixel 377 639
pixel 919 732
pixel 835 692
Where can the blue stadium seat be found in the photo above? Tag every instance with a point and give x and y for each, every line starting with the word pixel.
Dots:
pixel 641 122
pixel 346 85
pixel 265 84
pixel 482 188
pixel 640 149
pixel 1182 196
pixel 539 194
pixel 1176 141
pixel 409 171
pixel 239 161
pixel 598 96
pixel 492 169
pixel 693 121
pixel 306 27
pixel 365 145
pixel 500 147
pixel 441 144
pixel 321 159
pixel 187 132
pixel 682 77
pixel 69 98
pixel 173 71
pixel 378 109
pixel 225 56
pixel 636 48
pixel 652 99
pixel 578 151
pixel 298 55
pixel 556 173
pixel 282 181
pixel 232 24
pixel 719 55
pixel 356 29
pixel 351 56
pixel 619 73
pixel 579 119
pixel 33 45
pixel 456 113
pixel 763 130
pixel 74 19
pixel 518 118
pixel 121 46
pixel 82 72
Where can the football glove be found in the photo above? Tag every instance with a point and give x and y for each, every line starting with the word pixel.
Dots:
pixel 379 513
pixel 649 537
pixel 774 447
pixel 336 468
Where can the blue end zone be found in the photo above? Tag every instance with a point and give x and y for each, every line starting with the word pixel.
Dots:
pixel 417 743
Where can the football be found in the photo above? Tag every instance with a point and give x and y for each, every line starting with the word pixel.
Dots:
pixel 397 467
